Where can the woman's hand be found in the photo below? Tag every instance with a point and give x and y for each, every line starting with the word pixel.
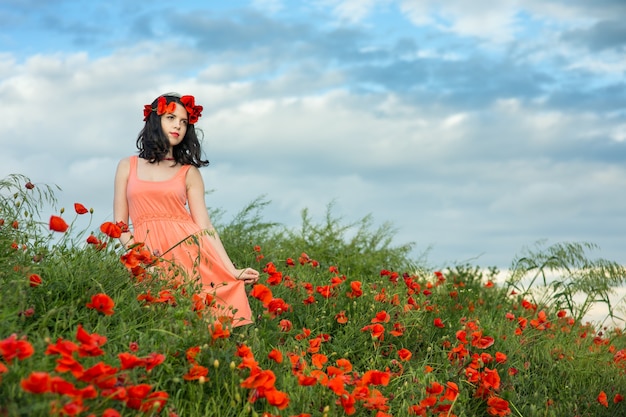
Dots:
pixel 247 275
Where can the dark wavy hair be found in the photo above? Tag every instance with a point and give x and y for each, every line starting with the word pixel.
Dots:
pixel 153 144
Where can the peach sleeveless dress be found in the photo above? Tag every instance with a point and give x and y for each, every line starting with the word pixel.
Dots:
pixel 160 219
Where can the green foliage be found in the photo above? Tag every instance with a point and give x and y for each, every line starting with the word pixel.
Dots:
pixel 354 297
pixel 556 275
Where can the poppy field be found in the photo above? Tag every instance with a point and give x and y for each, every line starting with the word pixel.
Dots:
pixel 346 324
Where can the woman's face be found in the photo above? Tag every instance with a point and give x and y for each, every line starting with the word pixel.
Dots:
pixel 174 125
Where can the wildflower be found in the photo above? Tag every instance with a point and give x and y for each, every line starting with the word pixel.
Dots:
pixel 218 331
pixel 602 399
pixel 304 259
pixel 80 209
pixel 36 383
pixel 259 379
pixel 318 360
pixel 275 276
pixel 497 406
pixel 314 345
pixel 35 280
pixel 381 317
pixel 452 391
pixel 325 291
pixel 276 355
pixel 11 348
pixel 618 398
pixel 285 325
pixel 102 303
pixel 277 398
pixel 356 290
pixel 261 293
pixel 398 330
pixel 377 330
pixel 438 323
pixel 481 342
pixel 111 229
pixel 136 394
pixel 344 365
pixel 89 343
pixel 404 354
pixel 130 361
pixel 375 377
pixel 277 306
pixel 341 317
pixel 196 372
pixel 57 224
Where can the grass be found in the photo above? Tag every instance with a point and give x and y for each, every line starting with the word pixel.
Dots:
pixel 346 323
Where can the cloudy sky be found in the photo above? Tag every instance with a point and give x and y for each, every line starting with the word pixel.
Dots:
pixel 476 127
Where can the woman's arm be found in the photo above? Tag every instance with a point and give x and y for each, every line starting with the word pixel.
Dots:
pixel 200 215
pixel 120 202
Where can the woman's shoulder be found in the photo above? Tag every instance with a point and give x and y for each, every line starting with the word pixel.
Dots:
pixel 123 166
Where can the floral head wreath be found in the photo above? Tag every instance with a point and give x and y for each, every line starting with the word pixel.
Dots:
pixel 163 107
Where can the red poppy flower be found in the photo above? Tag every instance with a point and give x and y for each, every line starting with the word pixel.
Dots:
pixel 37 383
pixel 285 325
pixel 277 398
pixel 130 361
pixel 218 331
pixel 261 293
pixel 375 377
pixel 381 317
pixel 481 342
pixel 136 394
pixel 11 348
pixel 356 290
pixel 497 406
pixel 307 381
pixel 111 229
pixel 35 280
pixel 259 379
pixel 193 112
pixel 318 360
pixel 276 355
pixel 438 323
pixel 103 303
pixel 153 359
pixel 90 343
pixel 377 330
pixel 602 399
pixel 154 402
pixel 57 224
pixel 60 386
pixel 275 276
pixel 341 317
pixel 196 372
pixel 404 354
pixel 163 107
pixel 324 290
pixel 80 209
pixel 277 306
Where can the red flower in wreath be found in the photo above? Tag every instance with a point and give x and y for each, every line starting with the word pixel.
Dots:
pixel 193 111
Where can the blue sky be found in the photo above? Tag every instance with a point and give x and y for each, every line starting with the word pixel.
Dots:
pixel 476 129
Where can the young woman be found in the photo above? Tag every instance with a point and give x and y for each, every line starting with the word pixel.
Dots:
pixel 162 192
